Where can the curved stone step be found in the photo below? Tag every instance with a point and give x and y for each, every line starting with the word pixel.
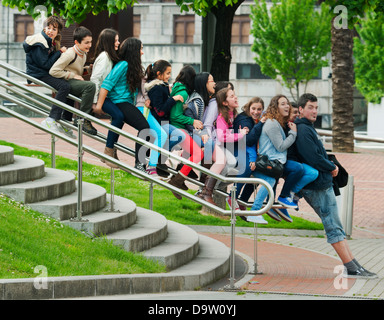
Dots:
pixel 56 183
pixel 6 155
pixel 105 221
pixel 149 230
pixel 64 208
pixel 179 248
pixel 210 265
pixel 23 169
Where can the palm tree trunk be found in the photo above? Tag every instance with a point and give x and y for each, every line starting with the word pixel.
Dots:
pixel 342 88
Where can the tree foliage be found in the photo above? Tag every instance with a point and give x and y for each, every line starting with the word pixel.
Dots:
pixel 291 40
pixel 202 7
pixel 369 55
pixel 72 10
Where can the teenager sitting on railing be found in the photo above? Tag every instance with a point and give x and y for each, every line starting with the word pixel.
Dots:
pixel 106 56
pixel 42 51
pixel 70 67
pixel 121 86
pixel 157 77
pixel 184 85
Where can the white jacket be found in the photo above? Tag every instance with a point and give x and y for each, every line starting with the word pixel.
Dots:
pixel 101 68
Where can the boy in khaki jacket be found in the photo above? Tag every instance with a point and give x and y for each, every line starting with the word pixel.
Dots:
pixel 70 66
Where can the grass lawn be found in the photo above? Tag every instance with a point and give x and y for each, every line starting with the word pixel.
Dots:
pixel 183 211
pixel 29 239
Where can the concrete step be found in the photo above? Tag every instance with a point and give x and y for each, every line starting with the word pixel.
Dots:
pixel 104 221
pixel 210 265
pixel 179 248
pixel 64 208
pixel 23 169
pixel 55 184
pixel 149 230
pixel 6 155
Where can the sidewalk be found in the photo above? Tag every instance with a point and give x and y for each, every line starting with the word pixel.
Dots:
pixel 291 263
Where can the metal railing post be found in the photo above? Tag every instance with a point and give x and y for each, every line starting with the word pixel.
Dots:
pixel 112 205
pixel 151 196
pixel 233 225
pixel 53 151
pixel 80 153
pixel 255 264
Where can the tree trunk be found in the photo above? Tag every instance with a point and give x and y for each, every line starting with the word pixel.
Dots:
pixel 221 57
pixel 342 88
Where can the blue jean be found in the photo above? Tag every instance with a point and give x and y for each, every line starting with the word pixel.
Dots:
pixel 175 135
pixel 263 192
pixel 159 134
pixel 209 147
pixel 310 175
pixel 248 188
pixel 325 205
pixel 117 121
pixel 293 172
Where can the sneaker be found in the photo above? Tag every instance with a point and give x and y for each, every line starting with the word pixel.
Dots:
pixel 229 202
pixel 274 215
pixel 141 167
pixel 257 219
pixel 287 202
pixel 152 171
pixel 283 213
pixel 359 273
pixel 51 125
pixel 68 132
pixel 89 128
pixel 295 199
pixel 369 273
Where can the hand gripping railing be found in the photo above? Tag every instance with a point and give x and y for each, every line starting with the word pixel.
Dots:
pixel 44 101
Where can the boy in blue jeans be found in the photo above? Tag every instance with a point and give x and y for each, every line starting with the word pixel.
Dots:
pixel 70 67
pixel 42 51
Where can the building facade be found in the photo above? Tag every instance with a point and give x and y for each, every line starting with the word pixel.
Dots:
pixel 168 34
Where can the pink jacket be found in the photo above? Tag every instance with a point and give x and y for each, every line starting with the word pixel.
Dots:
pixel 224 132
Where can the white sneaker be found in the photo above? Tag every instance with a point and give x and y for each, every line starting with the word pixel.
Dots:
pixel 257 219
pixel 51 125
pixel 67 131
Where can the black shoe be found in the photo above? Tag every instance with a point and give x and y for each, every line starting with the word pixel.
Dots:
pixel 162 170
pixel 359 274
pixel 88 128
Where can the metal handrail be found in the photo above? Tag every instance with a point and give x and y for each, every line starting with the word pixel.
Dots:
pixel 15 87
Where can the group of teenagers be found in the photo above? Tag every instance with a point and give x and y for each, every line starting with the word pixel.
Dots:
pixel 196 115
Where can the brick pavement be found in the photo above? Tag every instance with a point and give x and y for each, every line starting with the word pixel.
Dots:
pixel 286 268
pixel 289 269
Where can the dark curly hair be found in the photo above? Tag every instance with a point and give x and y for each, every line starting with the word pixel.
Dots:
pixel 130 51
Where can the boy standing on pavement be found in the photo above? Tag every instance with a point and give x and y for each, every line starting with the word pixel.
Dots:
pixel 70 66
pixel 319 194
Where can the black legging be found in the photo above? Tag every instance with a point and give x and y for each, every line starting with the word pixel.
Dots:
pixel 134 118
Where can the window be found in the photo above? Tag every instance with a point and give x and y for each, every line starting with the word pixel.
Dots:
pixel 136 26
pixel 184 28
pixel 241 28
pixel 249 71
pixel 23 26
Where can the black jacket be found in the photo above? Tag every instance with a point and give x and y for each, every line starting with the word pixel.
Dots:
pixel 41 54
pixel 161 101
pixel 312 152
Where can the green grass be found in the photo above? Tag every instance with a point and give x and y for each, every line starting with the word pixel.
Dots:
pixel 183 211
pixel 29 239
